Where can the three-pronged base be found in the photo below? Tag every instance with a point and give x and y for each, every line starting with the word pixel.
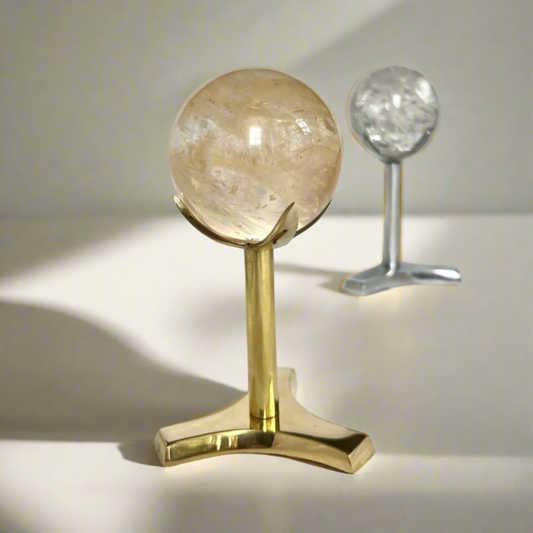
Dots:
pixel 384 277
pixel 295 433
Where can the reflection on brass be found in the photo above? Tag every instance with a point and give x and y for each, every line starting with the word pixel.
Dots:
pixel 281 234
pixel 268 419
pixel 298 435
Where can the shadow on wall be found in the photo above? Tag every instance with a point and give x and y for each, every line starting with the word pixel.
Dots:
pixel 91 91
pixel 477 53
pixel 66 379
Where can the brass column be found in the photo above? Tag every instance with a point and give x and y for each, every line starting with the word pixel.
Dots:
pixel 269 419
pixel 261 332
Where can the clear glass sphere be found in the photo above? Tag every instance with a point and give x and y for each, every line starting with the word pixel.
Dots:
pixel 393 112
pixel 247 144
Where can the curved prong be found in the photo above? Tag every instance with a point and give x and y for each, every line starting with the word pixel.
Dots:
pixel 283 231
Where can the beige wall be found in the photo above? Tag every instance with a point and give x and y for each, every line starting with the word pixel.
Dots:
pixel 89 91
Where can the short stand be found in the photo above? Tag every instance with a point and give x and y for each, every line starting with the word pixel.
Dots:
pixel 393 272
pixel 268 419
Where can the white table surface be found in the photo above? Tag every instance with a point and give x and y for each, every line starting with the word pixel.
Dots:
pixel 111 328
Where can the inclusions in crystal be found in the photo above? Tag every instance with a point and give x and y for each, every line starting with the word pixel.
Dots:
pixel 393 112
pixel 249 143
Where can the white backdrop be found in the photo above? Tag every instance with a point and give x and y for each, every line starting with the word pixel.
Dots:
pixel 89 91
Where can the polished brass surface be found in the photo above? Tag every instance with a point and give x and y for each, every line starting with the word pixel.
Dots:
pixel 268 419
pixel 285 229
pixel 261 331
pixel 298 435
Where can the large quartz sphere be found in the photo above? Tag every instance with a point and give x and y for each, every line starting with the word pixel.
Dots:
pixel 246 145
pixel 393 112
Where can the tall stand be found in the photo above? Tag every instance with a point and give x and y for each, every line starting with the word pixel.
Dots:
pixel 393 272
pixel 268 419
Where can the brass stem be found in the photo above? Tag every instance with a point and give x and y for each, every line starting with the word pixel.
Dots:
pixel 261 332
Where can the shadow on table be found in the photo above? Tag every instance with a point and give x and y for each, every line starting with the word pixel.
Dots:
pixel 27 244
pixel 64 378
pixel 313 509
pixel 334 278
pixel 10 525
pixel 420 369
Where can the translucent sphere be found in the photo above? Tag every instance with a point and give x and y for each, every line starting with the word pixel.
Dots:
pixel 393 111
pixel 247 144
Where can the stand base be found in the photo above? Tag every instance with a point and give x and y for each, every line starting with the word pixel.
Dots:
pixel 383 277
pixel 295 433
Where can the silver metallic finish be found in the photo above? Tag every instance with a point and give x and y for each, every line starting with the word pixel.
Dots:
pixel 381 107
pixel 393 272
pixel 393 202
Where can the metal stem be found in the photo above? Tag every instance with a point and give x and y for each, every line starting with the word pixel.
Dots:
pixel 392 226
pixel 261 332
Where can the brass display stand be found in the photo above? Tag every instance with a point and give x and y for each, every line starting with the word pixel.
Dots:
pixel 268 419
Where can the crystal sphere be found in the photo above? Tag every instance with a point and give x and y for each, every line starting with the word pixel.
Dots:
pixel 393 112
pixel 247 144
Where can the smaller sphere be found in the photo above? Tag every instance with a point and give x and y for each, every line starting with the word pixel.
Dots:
pixel 393 112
